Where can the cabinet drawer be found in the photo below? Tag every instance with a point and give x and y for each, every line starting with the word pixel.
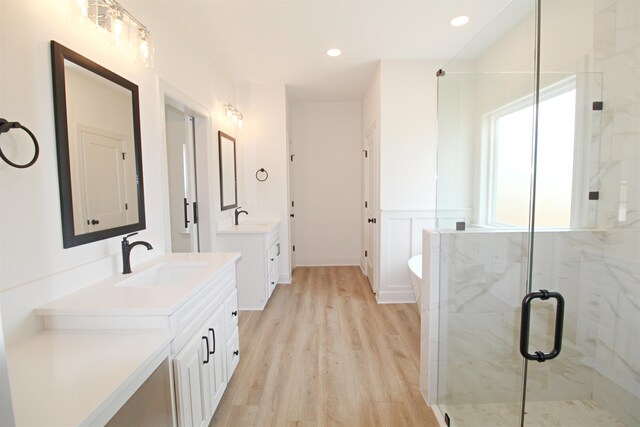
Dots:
pixel 231 312
pixel 233 354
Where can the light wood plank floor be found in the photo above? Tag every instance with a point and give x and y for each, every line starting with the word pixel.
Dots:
pixel 323 353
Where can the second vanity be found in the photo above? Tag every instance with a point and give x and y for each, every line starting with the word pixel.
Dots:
pixel 177 310
pixel 258 270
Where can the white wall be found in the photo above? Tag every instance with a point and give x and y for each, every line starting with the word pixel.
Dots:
pixel 327 142
pixel 408 134
pixel 407 105
pixel 371 103
pixel 35 268
pixel 263 144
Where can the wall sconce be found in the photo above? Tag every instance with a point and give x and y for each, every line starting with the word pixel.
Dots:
pixel 233 113
pixel 127 32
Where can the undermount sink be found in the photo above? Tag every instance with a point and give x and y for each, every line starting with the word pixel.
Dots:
pixel 164 274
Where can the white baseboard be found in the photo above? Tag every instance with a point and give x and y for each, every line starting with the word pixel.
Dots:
pixel 327 262
pixel 396 297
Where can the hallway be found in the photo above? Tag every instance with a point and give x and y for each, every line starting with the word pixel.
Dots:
pixel 323 353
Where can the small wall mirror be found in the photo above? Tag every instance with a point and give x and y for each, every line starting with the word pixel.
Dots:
pixel 97 117
pixel 228 178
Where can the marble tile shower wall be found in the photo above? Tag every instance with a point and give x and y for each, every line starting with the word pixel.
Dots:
pixel 482 276
pixel 617 57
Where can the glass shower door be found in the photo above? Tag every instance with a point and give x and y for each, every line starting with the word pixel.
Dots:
pixel 485 139
pixel 594 262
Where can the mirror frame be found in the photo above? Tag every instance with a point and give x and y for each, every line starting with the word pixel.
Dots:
pixel 70 239
pixel 224 207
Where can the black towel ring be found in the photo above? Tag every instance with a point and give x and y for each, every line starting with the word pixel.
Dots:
pixel 266 175
pixel 6 126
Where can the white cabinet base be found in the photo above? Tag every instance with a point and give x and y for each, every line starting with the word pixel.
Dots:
pixel 258 264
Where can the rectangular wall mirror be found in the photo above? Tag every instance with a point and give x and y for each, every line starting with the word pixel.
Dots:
pixel 228 177
pixel 97 117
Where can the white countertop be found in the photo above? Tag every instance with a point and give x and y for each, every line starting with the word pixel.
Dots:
pixel 65 378
pixel 105 298
pixel 251 228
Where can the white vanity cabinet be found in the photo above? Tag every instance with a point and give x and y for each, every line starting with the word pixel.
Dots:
pixel 258 266
pixel 199 309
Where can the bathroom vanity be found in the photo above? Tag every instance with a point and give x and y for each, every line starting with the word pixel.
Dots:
pixel 176 316
pixel 258 268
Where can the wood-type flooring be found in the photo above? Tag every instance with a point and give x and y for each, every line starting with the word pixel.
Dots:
pixel 324 353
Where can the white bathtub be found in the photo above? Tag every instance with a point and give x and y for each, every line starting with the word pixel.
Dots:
pixel 415 273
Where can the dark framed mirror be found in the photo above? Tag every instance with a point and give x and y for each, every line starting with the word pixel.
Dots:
pixel 97 117
pixel 228 174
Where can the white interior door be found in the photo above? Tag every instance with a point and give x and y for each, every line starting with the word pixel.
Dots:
pixel 102 177
pixel 182 180
pixel 370 221
pixel 292 207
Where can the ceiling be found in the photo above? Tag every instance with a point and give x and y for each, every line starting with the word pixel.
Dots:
pixel 269 41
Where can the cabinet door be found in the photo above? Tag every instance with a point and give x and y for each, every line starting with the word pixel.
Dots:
pixel 214 378
pixel 233 354
pixel 231 312
pixel 276 264
pixel 188 384
pixel 272 262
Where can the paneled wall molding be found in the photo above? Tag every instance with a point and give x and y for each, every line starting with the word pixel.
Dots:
pixel 400 239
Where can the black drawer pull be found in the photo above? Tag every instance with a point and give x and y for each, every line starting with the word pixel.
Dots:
pixel 213 340
pixel 206 339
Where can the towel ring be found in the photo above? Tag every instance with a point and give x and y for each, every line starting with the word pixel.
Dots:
pixel 266 175
pixel 6 126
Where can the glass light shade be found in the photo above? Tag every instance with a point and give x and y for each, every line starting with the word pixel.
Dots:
pixel 120 28
pixel 145 48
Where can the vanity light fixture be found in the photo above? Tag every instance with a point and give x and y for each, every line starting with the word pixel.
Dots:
pixel 232 112
pixel 334 52
pixel 459 21
pixel 127 32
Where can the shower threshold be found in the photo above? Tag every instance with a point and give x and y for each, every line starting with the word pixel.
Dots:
pixel 566 413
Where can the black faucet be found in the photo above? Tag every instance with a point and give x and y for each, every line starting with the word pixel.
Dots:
pixel 126 252
pixel 238 212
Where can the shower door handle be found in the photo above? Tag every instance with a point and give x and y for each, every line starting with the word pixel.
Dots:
pixel 525 323
pixel 186 220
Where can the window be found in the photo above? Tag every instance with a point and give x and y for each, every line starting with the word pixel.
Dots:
pixel 508 172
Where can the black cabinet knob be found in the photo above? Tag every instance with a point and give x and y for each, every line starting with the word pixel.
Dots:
pixel 236 353
pixel 234 313
pixel 292 215
pixel 95 222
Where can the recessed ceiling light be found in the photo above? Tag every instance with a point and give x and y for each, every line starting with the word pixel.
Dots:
pixel 459 21
pixel 334 52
